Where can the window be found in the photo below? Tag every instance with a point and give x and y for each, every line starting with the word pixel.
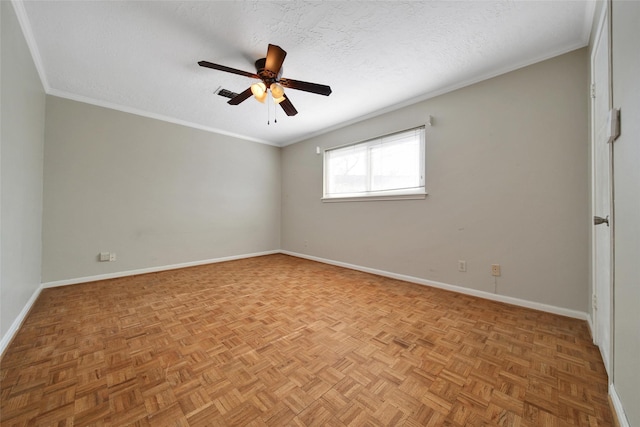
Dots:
pixel 385 168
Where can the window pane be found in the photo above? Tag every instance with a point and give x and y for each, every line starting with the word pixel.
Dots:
pixel 347 170
pixel 396 165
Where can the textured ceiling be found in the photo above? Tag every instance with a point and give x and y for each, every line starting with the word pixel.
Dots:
pixel 142 56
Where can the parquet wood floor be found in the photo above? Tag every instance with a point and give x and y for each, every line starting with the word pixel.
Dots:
pixel 278 341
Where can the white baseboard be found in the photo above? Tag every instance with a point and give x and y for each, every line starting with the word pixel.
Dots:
pixel 115 275
pixel 8 336
pixel 454 288
pixel 617 406
pixel 481 294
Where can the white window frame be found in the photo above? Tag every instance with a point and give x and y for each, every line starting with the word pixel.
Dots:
pixel 414 193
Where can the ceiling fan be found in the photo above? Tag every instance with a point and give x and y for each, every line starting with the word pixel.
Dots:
pixel 269 72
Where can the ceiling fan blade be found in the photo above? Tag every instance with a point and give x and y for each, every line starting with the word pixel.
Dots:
pixel 227 69
pixel 275 58
pixel 240 97
pixel 288 107
pixel 306 86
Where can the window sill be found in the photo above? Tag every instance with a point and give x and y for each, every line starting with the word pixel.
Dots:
pixel 375 198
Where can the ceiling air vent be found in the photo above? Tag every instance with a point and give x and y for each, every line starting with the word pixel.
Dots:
pixel 227 93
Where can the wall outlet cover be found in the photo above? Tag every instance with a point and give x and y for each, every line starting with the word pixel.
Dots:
pixel 495 269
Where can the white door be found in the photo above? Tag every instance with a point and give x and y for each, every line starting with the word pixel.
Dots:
pixel 601 187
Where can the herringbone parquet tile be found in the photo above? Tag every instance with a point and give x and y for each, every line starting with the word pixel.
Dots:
pixel 279 341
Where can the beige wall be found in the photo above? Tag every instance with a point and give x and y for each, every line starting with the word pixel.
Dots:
pixel 626 96
pixel 23 116
pixel 507 176
pixel 155 193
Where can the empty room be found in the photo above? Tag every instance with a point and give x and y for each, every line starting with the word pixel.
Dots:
pixel 340 213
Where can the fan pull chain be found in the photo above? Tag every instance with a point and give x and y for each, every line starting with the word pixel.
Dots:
pixel 275 112
pixel 268 108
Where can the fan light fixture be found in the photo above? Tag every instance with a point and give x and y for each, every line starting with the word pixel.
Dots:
pixel 277 91
pixel 259 91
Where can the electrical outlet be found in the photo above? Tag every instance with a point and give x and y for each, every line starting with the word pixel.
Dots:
pixel 112 256
pixel 462 265
pixel 495 269
pixel 103 256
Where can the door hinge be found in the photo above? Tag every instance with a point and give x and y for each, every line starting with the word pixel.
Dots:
pixel 594 302
pixel 593 90
pixel 613 124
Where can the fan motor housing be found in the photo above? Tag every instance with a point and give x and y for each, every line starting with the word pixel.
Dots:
pixel 267 76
